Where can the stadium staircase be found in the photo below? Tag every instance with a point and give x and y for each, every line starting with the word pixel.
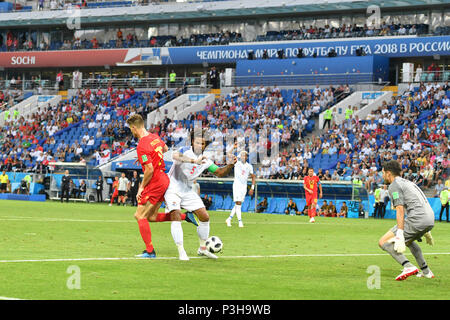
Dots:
pixel 365 101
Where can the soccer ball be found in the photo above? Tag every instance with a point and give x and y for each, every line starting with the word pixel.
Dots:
pixel 214 244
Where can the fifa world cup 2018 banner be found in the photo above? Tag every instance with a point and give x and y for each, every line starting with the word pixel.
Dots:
pixel 389 47
pixel 385 46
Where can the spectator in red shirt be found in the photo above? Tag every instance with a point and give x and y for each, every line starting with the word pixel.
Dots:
pixel 9 44
pixel 104 145
pixel 94 43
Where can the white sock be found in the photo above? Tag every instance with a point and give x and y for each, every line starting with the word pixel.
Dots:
pixel 203 232
pixel 177 232
pixel 238 212
pixel 232 213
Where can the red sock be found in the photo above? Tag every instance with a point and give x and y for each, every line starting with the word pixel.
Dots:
pixel 146 234
pixel 161 217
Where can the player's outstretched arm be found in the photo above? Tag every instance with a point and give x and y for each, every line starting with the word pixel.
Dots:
pixel 253 185
pixel 222 171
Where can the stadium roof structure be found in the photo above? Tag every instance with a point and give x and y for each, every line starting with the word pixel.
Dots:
pixel 222 10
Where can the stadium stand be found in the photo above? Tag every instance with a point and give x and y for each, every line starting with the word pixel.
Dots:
pixel 92 122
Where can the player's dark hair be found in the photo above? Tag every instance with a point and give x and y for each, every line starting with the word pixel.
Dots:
pixel 393 167
pixel 202 133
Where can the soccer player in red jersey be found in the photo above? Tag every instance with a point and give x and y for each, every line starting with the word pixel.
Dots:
pixel 150 151
pixel 310 183
pixel 115 187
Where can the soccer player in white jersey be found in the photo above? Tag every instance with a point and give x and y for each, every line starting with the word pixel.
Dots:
pixel 188 164
pixel 242 170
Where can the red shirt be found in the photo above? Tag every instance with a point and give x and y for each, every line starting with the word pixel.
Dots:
pixel 115 184
pixel 150 149
pixel 311 183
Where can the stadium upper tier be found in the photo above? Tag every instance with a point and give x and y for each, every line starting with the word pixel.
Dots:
pixel 89 40
pixel 155 12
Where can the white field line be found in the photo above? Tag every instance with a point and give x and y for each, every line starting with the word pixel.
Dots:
pixel 8 298
pixel 46 219
pixel 221 257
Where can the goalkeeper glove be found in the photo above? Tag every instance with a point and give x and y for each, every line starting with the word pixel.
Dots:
pixel 399 242
pixel 429 238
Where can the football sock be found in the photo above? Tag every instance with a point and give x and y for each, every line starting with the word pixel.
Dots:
pixel 146 234
pixel 161 217
pixel 203 232
pixel 232 213
pixel 313 212
pixel 399 257
pixel 177 232
pixel 417 253
pixel 238 212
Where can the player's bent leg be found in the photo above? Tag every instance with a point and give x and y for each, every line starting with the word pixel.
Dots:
pixel 239 213
pixel 177 233
pixel 385 238
pixel 418 255
pixel 386 243
pixel 203 232
pixel 228 220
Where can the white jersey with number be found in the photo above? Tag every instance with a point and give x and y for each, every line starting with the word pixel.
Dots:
pixel 180 194
pixel 182 175
pixel 241 173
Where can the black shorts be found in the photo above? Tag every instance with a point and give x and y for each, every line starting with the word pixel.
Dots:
pixel 3 186
pixel 122 193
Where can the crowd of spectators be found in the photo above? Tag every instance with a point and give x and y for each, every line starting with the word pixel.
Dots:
pixel 23 43
pixel 344 31
pixel 10 97
pixel 422 152
pixel 252 108
pixel 23 139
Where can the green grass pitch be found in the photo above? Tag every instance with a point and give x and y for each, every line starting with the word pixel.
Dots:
pixel 273 257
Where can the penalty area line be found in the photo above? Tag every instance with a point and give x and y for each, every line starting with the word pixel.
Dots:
pixel 221 257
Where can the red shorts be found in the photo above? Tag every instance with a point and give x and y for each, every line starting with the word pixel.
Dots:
pixel 311 199
pixel 115 193
pixel 154 191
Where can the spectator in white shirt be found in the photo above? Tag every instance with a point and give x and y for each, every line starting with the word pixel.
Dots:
pixel 91 124
pixel 91 141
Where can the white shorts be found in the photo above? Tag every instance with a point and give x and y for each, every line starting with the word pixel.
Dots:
pixel 190 200
pixel 239 192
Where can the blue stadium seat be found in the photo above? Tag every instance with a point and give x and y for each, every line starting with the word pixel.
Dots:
pixel 227 203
